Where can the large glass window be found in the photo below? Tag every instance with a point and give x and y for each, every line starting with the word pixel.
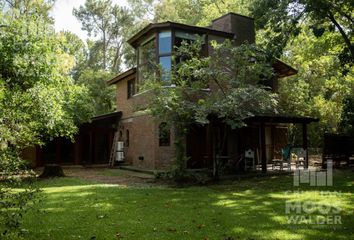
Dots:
pixel 181 36
pixel 165 44
pixel 166 64
pixel 146 60
pixel 130 88
pixel 147 52
pixel 184 36
pixel 165 51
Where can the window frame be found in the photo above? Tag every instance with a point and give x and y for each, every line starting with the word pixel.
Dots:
pixel 155 37
pixel 167 54
pixel 127 138
pixel 152 38
pixel 130 91
pixel 165 138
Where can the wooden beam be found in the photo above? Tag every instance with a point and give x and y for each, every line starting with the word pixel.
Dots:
pixel 58 151
pixel 91 148
pixel 262 146
pixel 272 137
pixel 39 156
pixel 304 143
pixel 77 148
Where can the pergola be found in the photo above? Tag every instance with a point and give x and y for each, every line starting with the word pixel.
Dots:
pixel 262 120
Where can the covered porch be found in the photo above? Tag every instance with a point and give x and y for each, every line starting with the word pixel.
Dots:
pixel 92 144
pixel 269 147
pixel 264 136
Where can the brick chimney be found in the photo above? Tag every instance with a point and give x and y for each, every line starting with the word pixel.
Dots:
pixel 241 26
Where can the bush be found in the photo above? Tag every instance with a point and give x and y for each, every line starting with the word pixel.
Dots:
pixel 18 193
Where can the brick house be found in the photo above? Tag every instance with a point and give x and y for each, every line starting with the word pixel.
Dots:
pixel 145 146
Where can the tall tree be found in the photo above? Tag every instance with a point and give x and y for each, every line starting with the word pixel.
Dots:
pixel 72 45
pixel 96 18
pixel 119 30
pixel 108 22
pixel 282 20
pixel 38 8
pixel 102 97
pixel 199 12
pixel 38 98
pixel 320 86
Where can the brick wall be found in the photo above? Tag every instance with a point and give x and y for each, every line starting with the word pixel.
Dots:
pixel 241 26
pixel 143 150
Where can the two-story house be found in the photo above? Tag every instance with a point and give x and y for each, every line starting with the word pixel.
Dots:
pixel 145 145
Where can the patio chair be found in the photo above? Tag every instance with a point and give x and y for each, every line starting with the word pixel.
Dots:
pixel 301 158
pixel 286 157
pixel 249 159
pixel 285 160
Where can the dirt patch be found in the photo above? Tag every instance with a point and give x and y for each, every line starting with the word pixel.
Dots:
pixel 110 176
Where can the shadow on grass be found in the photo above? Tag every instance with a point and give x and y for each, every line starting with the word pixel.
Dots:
pixel 249 209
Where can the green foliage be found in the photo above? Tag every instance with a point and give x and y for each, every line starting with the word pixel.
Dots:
pixel 110 23
pixel 247 209
pixel 38 98
pixel 282 20
pixel 320 87
pixel 227 87
pixel 102 97
pixel 347 123
pixel 14 204
pixel 75 47
pixel 199 12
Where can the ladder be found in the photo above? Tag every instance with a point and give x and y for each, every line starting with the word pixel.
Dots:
pixel 113 150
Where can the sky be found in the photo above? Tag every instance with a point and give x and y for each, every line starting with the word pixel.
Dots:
pixel 64 19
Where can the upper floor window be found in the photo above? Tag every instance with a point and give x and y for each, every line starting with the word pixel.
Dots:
pixel 158 49
pixel 164 135
pixel 165 44
pixel 130 88
pixel 147 52
pixel 165 59
pixel 127 138
pixel 146 59
pixel 184 36
pixel 189 38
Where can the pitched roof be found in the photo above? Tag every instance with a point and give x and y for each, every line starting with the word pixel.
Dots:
pixel 154 26
pixel 282 69
pixel 127 74
pixel 281 118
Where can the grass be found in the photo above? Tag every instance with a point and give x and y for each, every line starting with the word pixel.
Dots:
pixel 250 209
pixel 121 173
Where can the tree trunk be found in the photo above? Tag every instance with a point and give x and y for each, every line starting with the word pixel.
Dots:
pixel 219 144
pixel 342 32
pixel 52 170
pixel 104 50
pixel 180 147
pixel 117 59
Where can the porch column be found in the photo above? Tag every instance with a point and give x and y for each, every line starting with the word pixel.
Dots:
pixel 90 148
pixel 39 156
pixel 58 151
pixel 304 143
pixel 263 147
pixel 77 148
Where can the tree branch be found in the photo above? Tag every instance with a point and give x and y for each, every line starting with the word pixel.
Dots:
pixel 342 32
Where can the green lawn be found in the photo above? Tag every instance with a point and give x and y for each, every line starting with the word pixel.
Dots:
pixel 250 209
